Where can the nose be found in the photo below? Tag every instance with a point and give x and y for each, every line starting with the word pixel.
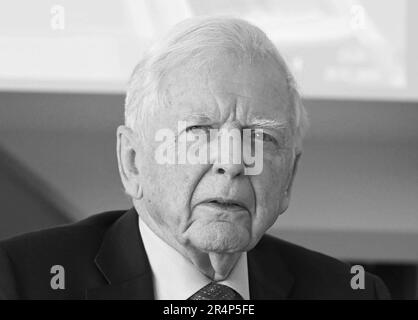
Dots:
pixel 228 159
pixel 226 151
pixel 230 169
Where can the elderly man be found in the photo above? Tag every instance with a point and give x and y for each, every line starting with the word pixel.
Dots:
pixel 197 228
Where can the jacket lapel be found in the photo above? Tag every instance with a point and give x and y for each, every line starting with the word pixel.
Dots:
pixel 123 262
pixel 269 277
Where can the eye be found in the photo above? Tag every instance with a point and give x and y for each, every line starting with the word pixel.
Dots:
pixel 265 137
pixel 198 129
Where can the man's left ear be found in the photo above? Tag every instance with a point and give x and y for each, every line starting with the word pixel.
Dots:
pixel 286 196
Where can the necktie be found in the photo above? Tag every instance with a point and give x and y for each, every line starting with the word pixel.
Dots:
pixel 215 291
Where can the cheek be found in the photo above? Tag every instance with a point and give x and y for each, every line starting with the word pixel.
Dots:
pixel 275 175
pixel 167 190
pixel 277 169
pixel 269 187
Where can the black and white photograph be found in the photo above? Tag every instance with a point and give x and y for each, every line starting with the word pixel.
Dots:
pixel 182 150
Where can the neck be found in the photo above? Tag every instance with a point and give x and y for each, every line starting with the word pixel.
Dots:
pixel 216 266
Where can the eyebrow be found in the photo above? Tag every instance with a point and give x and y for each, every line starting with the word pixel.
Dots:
pixel 262 123
pixel 198 117
pixel 268 124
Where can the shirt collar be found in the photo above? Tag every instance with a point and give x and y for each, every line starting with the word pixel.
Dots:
pixel 176 278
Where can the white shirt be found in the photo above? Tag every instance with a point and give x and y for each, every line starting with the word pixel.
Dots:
pixel 176 278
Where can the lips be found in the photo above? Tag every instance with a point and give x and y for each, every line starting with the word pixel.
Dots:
pixel 225 204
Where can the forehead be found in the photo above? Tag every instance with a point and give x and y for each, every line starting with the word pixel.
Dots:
pixel 224 87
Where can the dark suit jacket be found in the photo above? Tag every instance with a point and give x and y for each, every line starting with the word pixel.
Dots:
pixel 104 258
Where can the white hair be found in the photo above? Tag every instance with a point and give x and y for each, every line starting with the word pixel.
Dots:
pixel 195 40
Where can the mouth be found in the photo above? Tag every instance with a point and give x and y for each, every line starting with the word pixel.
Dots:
pixel 226 204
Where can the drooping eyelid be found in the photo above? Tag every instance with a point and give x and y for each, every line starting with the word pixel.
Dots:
pixel 279 134
pixel 198 126
pixel 193 121
pixel 273 131
pixel 199 120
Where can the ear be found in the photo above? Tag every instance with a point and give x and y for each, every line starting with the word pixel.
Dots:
pixel 287 193
pixel 126 150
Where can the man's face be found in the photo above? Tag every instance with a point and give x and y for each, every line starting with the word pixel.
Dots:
pixel 215 207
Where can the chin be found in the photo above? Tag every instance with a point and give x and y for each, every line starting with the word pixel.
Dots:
pixel 221 237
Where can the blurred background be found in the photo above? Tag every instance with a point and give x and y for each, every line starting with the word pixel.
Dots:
pixel 64 66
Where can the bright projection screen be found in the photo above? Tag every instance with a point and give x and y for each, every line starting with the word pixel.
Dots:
pixel 343 49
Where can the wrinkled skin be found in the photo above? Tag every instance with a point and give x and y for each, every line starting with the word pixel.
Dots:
pixel 173 199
